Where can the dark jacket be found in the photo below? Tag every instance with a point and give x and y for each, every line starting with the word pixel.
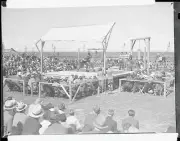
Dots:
pixel 31 126
pixel 58 128
pixel 112 124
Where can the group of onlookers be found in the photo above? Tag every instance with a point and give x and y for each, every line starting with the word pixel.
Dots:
pixel 41 118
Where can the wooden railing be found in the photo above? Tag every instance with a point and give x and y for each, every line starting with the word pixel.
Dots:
pixel 146 81
pixel 12 79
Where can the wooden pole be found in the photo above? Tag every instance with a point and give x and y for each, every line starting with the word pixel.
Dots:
pixel 104 58
pixel 148 55
pixel 39 89
pixel 24 90
pixel 31 89
pixel 41 57
pixel 164 89
pixel 132 46
pixel 78 59
pixel 119 85
pixel 70 91
pixel 144 57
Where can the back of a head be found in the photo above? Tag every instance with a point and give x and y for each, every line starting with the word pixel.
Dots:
pixel 71 112
pixel 131 113
pixel 97 109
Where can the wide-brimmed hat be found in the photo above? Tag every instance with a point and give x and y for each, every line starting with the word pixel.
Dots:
pixel 99 122
pixel 36 111
pixel 47 106
pixel 37 101
pixel 8 98
pixel 10 104
pixel 21 106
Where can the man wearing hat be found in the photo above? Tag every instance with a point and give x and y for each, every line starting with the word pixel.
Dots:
pixel 9 112
pixel 48 108
pixel 32 123
pixel 131 120
pixel 36 102
pixel 110 122
pixel 58 124
pixel 100 125
pixel 19 118
pixel 90 118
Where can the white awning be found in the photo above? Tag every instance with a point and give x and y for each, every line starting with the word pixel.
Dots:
pixel 95 33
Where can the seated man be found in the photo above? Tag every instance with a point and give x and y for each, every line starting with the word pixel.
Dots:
pixel 90 118
pixel 72 120
pixel 110 122
pixel 131 120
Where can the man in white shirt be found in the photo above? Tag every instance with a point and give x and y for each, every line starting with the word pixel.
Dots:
pixel 72 120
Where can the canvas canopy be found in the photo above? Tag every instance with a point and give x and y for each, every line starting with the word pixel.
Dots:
pixel 10 51
pixel 95 33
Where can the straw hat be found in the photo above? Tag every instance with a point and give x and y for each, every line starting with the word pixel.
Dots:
pixel 48 106
pixel 10 104
pixel 36 111
pixel 38 101
pixel 21 106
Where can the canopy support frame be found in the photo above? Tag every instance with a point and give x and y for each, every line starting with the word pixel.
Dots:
pixel 146 50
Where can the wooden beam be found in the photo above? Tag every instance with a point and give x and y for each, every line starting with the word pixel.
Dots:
pixel 76 93
pixel 140 38
pixel 65 91
pixel 148 55
pixel 144 57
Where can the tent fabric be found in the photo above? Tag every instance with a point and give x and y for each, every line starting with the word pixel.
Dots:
pixel 79 33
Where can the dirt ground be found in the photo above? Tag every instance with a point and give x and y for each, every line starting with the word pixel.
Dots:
pixel 155 113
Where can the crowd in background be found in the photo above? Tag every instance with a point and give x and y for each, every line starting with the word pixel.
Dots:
pixel 40 118
pixel 21 64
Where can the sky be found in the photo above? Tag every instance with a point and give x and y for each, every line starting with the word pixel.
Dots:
pixel 23 27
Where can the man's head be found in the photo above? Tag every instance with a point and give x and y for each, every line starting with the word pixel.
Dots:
pixel 71 112
pixel 111 112
pixel 131 113
pixel 96 109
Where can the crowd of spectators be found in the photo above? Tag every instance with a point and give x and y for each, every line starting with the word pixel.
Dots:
pixel 21 64
pixel 40 118
pixel 24 63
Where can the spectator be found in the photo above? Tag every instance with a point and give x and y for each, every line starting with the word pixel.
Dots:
pixel 110 122
pixel 9 112
pixel 32 123
pixel 72 120
pixel 19 119
pixel 37 101
pixel 58 124
pixel 131 120
pixel 100 124
pixel 46 117
pixel 90 118
pixel 61 108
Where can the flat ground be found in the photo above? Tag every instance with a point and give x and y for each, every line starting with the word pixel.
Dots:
pixel 154 113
